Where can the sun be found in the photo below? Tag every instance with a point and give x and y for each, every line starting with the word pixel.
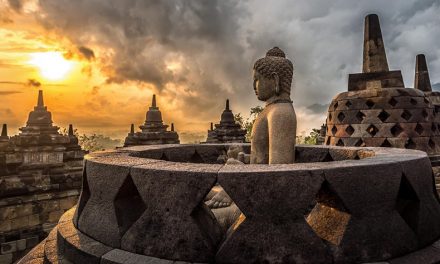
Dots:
pixel 52 65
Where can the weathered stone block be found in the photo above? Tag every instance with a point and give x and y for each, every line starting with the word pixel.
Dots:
pixel 99 209
pixel 21 244
pixel 8 247
pixel 6 259
pixel 170 216
pixel 117 256
pixel 274 207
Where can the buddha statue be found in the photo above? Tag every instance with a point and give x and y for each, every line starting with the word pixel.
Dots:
pixel 274 132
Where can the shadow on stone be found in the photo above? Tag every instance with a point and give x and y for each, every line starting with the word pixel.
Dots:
pixel 83 199
pixel 408 204
pixel 128 205
pixel 196 158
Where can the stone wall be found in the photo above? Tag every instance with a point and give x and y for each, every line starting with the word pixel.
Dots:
pixel 31 202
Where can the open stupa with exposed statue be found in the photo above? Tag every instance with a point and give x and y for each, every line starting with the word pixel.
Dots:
pixel 297 203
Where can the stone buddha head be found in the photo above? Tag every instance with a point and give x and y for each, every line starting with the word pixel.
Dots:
pixel 273 76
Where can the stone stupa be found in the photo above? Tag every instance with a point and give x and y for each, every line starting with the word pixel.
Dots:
pixel 40 178
pixel 227 131
pixel 377 110
pixel 154 131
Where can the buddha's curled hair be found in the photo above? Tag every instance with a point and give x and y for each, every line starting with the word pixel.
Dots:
pixel 275 61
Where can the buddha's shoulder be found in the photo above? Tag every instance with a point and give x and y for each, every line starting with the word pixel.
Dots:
pixel 283 109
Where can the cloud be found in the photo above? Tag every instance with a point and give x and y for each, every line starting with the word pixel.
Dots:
pixel 436 87
pixel 33 83
pixel 318 108
pixel 195 54
pixel 16 5
pixel 9 92
pixel 87 53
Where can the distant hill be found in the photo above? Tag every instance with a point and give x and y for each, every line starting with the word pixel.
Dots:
pixel 436 87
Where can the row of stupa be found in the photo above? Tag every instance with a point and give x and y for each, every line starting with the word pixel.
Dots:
pixel 40 178
pixel 154 131
pixel 378 111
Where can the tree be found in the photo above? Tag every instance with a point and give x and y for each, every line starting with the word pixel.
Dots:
pixel 96 142
pixel 249 122
pixel 312 139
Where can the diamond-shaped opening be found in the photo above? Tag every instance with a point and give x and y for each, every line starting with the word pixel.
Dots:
pixel 328 158
pixel 433 128
pixel 410 144
pixel 164 157
pixel 223 208
pixel 349 130
pixel 393 102
pixel 340 143
pixel 348 104
pixel 129 205
pixel 413 101
pixel 431 143
pixel 334 130
pixel 196 158
pixel 369 103
pixel 341 117
pixel 408 203
pixel 425 114
pixel 383 116
pixel 426 101
pixel 386 144
pixel 419 129
pixel 328 141
pixel 85 195
pixel 360 116
pixel 335 106
pixel 372 130
pixel 360 143
pixel 329 217
pixel 330 117
pixel 396 130
pixel 406 115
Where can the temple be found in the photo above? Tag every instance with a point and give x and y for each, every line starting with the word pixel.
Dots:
pixel 40 175
pixel 377 111
pixel 228 131
pixel 154 131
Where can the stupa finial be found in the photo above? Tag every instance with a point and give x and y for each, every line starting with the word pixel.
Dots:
pixel 40 102
pixel 172 126
pixel 375 58
pixel 71 130
pixel 5 130
pixel 421 80
pixel 153 103
pixel 227 104
pixel 212 126
pixel 132 129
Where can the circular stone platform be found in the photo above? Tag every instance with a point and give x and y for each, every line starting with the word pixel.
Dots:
pixel 335 205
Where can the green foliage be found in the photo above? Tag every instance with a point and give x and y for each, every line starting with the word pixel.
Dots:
pixel 248 123
pixel 65 131
pixel 96 142
pixel 312 139
pixel 93 142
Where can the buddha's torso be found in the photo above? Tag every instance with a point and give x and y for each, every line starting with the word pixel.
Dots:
pixel 274 113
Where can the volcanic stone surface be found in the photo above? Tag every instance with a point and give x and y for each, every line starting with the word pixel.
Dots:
pixel 377 111
pixel 335 204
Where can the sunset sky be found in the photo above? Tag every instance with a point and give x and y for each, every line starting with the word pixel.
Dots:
pixel 100 61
